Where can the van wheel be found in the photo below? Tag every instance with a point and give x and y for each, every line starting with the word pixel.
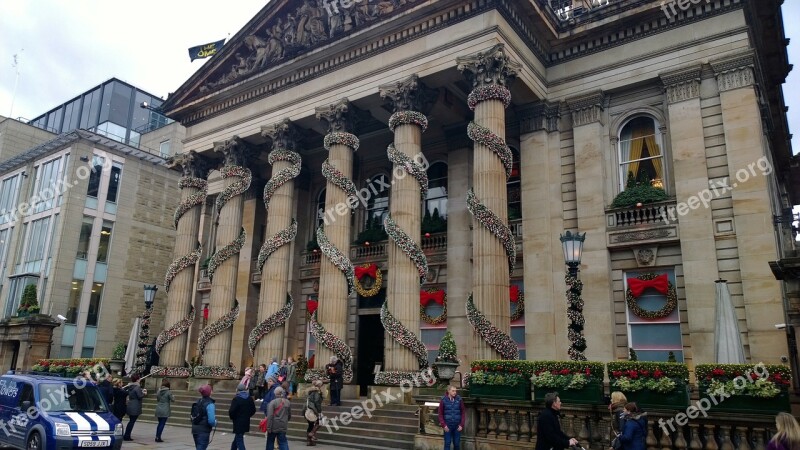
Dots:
pixel 34 442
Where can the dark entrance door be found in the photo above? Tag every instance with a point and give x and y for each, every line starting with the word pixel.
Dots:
pixel 369 349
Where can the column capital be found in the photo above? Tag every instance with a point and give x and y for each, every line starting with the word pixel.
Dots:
pixel 236 151
pixel 539 116
pixel 492 66
pixel 587 108
pixel 682 84
pixel 409 94
pixel 284 135
pixel 734 72
pixel 341 116
pixel 192 164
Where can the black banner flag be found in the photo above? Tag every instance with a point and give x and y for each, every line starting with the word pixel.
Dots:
pixel 206 50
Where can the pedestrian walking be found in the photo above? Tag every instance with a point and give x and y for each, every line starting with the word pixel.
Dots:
pixel 313 411
pixel 279 413
pixel 548 426
pixel 787 436
pixel 451 417
pixel 634 430
pixel 120 400
pixel 334 370
pixel 248 375
pixel 291 376
pixel 261 381
pixel 205 420
pixel 242 409
pixel 134 409
pixel 617 411
pixel 107 389
pixel 164 398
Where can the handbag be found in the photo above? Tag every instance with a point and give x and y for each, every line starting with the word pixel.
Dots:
pixel 262 426
pixel 616 443
pixel 309 414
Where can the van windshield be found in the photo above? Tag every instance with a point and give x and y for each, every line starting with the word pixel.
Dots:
pixel 62 397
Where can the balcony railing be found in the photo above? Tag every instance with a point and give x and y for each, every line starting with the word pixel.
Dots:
pixel 649 214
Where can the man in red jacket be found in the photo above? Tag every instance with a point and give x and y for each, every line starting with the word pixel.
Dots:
pixel 451 417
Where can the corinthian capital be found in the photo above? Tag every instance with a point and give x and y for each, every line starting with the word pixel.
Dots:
pixel 683 84
pixel 408 95
pixel 492 66
pixel 339 117
pixel 191 164
pixel 284 135
pixel 734 72
pixel 235 151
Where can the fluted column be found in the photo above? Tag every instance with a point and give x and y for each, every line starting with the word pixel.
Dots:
pixel 275 301
pixel 329 324
pixel 405 354
pixel 179 280
pixel 214 342
pixel 493 254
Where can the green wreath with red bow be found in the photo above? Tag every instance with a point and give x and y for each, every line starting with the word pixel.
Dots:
pixel 661 283
pixel 438 296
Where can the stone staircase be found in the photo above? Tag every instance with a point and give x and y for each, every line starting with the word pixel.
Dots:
pixel 391 426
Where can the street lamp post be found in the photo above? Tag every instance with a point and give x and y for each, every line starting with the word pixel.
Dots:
pixel 143 353
pixel 572 245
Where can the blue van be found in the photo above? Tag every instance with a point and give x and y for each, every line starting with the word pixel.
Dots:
pixel 39 412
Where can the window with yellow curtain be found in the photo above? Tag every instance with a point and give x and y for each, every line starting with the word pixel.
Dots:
pixel 640 152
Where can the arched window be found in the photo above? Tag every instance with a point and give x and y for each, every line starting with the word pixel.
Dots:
pixel 320 210
pixel 514 188
pixel 378 202
pixel 436 201
pixel 640 152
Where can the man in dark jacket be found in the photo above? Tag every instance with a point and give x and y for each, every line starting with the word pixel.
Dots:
pixel 242 409
pixel 272 384
pixel 634 431
pixel 334 370
pixel 107 389
pixel 451 418
pixel 201 431
pixel 548 426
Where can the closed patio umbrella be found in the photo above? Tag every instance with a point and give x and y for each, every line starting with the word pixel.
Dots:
pixel 727 339
pixel 133 339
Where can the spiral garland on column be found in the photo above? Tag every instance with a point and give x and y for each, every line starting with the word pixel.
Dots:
pixel 334 344
pixel 575 315
pixel 496 339
pixel 406 338
pixel 495 225
pixel 208 333
pixel 281 177
pixel 407 245
pixel 184 262
pixel 175 330
pixel 227 251
pixel 140 365
pixel 274 242
pixel 339 259
pixel 234 189
pixel 411 167
pixel 270 323
pixel 198 198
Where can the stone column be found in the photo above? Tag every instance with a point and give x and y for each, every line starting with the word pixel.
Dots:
pixel 493 254
pixel 542 222
pixel 179 282
pixel 750 171
pixel 698 248
pixel 275 302
pixel 214 342
pixel 590 185
pixel 404 351
pixel 329 324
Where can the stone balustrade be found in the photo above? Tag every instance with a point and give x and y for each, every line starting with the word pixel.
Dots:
pixel 649 214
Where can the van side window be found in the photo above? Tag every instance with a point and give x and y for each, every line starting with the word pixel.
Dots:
pixel 27 395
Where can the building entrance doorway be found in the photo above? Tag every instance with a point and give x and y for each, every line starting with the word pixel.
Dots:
pixel 369 350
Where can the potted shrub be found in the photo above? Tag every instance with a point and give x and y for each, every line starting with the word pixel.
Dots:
pixel 117 361
pixel 29 305
pixel 651 384
pixel 748 388
pixel 577 382
pixel 502 379
pixel 446 361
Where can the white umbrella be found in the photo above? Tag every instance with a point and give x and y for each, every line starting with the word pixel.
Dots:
pixel 727 339
pixel 130 353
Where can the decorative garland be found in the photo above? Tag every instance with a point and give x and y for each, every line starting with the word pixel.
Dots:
pixel 184 262
pixel 407 245
pixel 411 167
pixel 423 302
pixel 234 189
pixel 175 330
pixel 403 336
pixel 575 315
pixel 334 344
pixel 176 372
pixel 215 372
pixel 495 225
pixel 337 258
pixel 672 298
pixel 406 118
pixel 197 198
pixel 274 242
pixel 228 251
pixel 338 137
pixel 283 176
pixel 270 323
pixel 489 92
pixel 398 378
pixel 216 327
pixel 519 300
pixel 495 143
pixel 367 271
pixel 493 336
pixel 140 364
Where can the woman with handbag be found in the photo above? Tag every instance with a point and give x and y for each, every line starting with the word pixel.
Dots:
pixel 617 410
pixel 313 410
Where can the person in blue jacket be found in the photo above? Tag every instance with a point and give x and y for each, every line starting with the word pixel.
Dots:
pixel 634 432
pixel 201 432
pixel 451 417
pixel 272 384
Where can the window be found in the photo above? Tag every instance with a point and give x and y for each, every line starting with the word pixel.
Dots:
pixel 94 304
pixel 640 154
pixel 26 396
pixel 9 192
pixel 74 303
pixel 516 290
pixel 513 188
pixel 436 201
pixel 18 285
pixel 105 240
pixel 113 182
pixel 94 177
pixel 47 184
pixel 378 203
pixel 320 212
pixel 37 237
pixel 163 148
pixel 64 399
pixel 4 237
pixel 653 339
pixel 86 235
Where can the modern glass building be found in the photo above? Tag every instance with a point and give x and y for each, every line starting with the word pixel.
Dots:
pixel 112 109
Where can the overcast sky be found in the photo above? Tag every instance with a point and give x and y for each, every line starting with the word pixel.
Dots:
pixel 66 47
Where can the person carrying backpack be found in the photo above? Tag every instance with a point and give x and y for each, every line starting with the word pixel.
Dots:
pixel 279 413
pixel 634 431
pixel 204 418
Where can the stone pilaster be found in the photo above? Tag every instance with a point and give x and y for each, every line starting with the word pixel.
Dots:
pixel 493 246
pixel 587 121
pixel 266 341
pixel 750 169
pixel 698 251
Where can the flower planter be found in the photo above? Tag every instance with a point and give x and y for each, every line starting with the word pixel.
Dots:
pixel 591 394
pixel 647 399
pixel 446 370
pixel 748 404
pixel 116 365
pixel 521 391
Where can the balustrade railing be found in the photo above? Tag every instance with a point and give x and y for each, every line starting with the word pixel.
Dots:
pixel 649 214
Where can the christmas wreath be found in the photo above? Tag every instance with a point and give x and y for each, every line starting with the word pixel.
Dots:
pixel 637 286
pixel 519 298
pixel 371 271
pixel 438 296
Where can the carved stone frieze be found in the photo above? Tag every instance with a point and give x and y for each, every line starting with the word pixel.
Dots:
pixel 734 72
pixel 284 135
pixel 191 164
pixel 492 66
pixel 235 151
pixel 682 84
pixel 625 238
pixel 339 117
pixel 587 108
pixel 409 94
pixel 539 116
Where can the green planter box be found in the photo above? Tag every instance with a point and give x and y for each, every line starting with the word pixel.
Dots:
pixel 592 394
pixel 676 400
pixel 747 404
pixel 521 391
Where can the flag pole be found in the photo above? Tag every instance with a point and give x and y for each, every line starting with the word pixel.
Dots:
pixel 16 82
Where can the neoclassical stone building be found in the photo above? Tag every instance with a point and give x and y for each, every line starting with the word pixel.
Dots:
pixel 322 126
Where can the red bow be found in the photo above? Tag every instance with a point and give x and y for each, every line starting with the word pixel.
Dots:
pixel 514 293
pixel 426 297
pixel 659 283
pixel 371 271
pixel 312 306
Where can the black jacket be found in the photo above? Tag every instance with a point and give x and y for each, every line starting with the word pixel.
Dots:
pixel 548 431
pixel 240 412
pixel 335 375
pixel 107 390
pixel 120 402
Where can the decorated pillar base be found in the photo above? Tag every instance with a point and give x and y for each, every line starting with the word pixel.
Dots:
pixel 171 372
pixel 216 372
